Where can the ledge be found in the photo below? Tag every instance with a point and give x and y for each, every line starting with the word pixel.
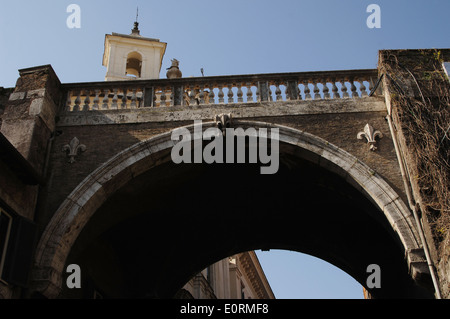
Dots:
pixel 238 110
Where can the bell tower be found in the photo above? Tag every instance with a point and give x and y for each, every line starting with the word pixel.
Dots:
pixel 132 56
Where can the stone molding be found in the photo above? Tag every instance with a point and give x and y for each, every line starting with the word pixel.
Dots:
pixel 243 110
pixel 255 275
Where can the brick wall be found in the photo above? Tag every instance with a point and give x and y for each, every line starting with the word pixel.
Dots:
pixel 105 141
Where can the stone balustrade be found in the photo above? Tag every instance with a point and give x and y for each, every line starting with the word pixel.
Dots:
pixel 113 95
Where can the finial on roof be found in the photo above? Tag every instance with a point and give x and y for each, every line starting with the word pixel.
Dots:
pixel 135 30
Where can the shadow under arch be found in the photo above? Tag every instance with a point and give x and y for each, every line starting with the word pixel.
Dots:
pixel 79 207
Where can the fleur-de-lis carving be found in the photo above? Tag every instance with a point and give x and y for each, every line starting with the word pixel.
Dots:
pixel 370 134
pixel 73 148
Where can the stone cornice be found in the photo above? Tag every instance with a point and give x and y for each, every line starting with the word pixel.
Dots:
pixel 255 275
pixel 242 110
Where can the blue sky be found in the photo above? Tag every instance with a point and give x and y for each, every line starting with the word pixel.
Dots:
pixel 227 37
pixel 223 37
pixel 293 275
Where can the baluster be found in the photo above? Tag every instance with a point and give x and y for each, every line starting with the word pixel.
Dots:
pixel 230 94
pixel 169 96
pixel 133 104
pixel 270 94
pixel 76 107
pixel 326 90
pixel 335 89
pixel 69 101
pixel 114 100
pixel 371 84
pixel 362 88
pixel 96 100
pixel 163 97
pixel 201 95
pixel 344 89
pixel 249 93
pixel 240 94
pixel 278 96
pixel 140 97
pixel 192 100
pixel 105 100
pixel 316 91
pixel 353 89
pixel 168 92
pixel 211 95
pixel 258 93
pixel 287 91
pixel 124 99
pixel 307 91
pixel 221 95
pixel 155 97
pixel 87 100
pixel 172 97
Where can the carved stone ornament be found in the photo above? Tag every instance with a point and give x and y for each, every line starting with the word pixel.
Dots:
pixel 223 121
pixel 370 134
pixel 73 148
pixel 174 70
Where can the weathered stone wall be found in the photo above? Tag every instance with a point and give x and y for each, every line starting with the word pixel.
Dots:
pixel 29 116
pixel 418 95
pixel 15 194
pixel 4 96
pixel 338 122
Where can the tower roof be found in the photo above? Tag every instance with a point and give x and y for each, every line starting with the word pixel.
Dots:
pixel 135 32
pixel 134 36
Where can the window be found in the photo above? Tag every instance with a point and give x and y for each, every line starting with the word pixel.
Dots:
pixel 17 240
pixel 5 230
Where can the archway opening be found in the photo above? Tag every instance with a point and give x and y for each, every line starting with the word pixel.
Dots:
pixel 272 274
pixel 169 223
pixel 134 65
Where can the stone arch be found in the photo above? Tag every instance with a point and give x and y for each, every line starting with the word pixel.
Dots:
pixel 76 210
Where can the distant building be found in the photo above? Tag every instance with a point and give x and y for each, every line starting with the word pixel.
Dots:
pixel 237 277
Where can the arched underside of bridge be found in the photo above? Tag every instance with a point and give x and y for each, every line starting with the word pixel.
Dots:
pixel 141 226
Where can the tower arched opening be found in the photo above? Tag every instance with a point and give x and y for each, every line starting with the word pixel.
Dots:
pixel 134 64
